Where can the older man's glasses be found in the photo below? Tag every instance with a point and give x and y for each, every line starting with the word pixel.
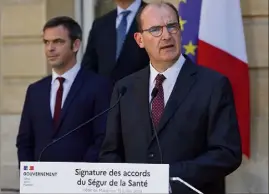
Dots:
pixel 158 30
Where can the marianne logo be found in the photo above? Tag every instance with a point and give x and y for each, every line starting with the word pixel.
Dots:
pixel 28 167
pixel 30 171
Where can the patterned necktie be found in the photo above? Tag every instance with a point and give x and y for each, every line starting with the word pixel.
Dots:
pixel 158 101
pixel 121 32
pixel 58 101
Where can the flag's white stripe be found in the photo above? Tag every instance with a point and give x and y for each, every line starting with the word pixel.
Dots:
pixel 221 26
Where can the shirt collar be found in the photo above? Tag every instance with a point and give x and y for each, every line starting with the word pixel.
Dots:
pixel 171 73
pixel 69 75
pixel 133 7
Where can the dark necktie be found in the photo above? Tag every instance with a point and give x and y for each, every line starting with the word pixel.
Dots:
pixel 158 102
pixel 58 101
pixel 121 32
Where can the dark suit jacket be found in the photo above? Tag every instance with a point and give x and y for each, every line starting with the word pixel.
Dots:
pixel 88 96
pixel 198 132
pixel 100 54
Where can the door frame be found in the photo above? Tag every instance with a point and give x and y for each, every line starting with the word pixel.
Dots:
pixel 84 14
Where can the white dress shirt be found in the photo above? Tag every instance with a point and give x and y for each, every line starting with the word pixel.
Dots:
pixel 133 8
pixel 69 76
pixel 171 75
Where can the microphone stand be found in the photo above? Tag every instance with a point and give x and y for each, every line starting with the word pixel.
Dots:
pixel 122 92
pixel 177 179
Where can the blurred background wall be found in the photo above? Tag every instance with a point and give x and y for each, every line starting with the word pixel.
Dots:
pixel 22 62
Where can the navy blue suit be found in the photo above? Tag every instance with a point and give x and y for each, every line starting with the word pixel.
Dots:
pixel 88 96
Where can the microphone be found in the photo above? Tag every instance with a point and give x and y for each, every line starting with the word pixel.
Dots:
pixel 153 95
pixel 122 92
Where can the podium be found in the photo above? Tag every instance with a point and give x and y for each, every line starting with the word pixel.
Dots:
pixel 71 177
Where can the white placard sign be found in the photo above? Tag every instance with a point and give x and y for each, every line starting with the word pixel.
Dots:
pixel 64 177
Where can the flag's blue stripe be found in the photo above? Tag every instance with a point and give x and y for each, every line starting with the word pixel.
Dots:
pixel 190 11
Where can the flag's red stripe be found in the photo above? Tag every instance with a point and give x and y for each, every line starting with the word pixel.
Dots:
pixel 237 72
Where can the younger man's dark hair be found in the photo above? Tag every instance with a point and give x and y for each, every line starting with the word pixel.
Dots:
pixel 140 11
pixel 71 25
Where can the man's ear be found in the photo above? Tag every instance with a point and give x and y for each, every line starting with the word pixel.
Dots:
pixel 139 39
pixel 76 45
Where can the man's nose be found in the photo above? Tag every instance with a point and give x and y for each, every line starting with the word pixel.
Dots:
pixel 50 47
pixel 166 34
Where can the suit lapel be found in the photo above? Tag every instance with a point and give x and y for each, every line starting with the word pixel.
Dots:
pixel 183 85
pixel 141 94
pixel 111 39
pixel 130 35
pixel 126 44
pixel 46 103
pixel 71 95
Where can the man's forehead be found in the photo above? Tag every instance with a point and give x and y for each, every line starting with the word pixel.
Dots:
pixel 54 37
pixel 58 31
pixel 163 12
pixel 157 8
pixel 158 16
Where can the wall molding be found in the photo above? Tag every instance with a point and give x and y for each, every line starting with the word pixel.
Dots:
pixel 255 15
pixel 22 39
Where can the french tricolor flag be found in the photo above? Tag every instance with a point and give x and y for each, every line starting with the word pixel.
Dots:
pixel 213 36
pixel 28 168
